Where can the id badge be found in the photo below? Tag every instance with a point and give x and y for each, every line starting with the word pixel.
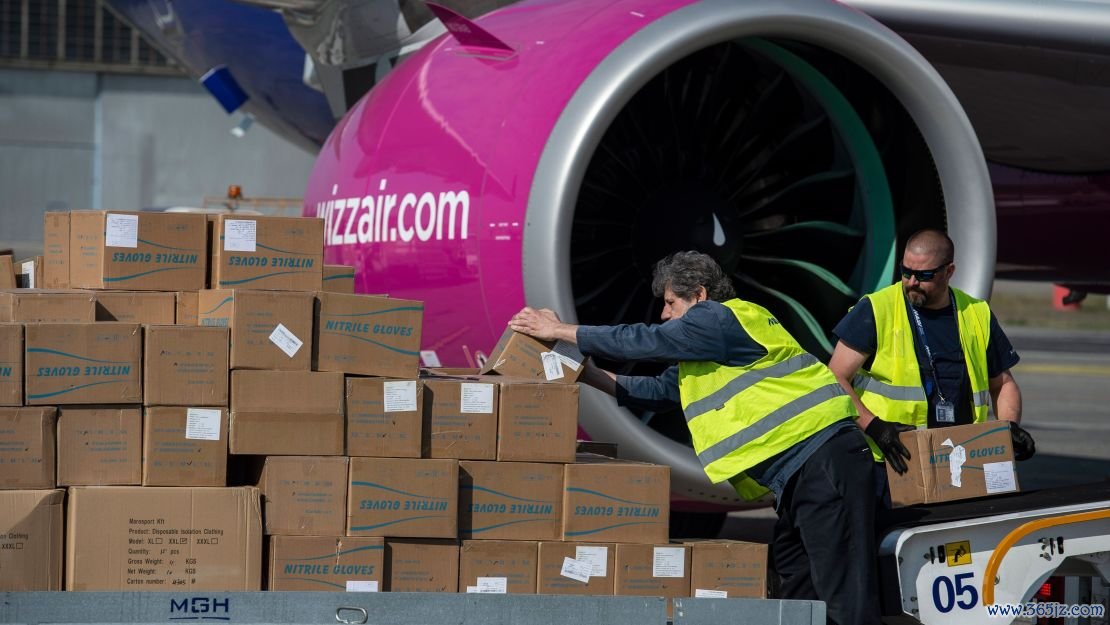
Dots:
pixel 946 412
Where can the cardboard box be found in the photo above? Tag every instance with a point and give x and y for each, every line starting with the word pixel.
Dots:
pixel 653 571
pixel 269 329
pixel 27 442
pixel 510 501
pixel 304 495
pixel 185 313
pixel 184 446
pixel 284 253
pixel 7 272
pixel 287 413
pixel 598 558
pixel 384 417
pixel 736 568
pixel 460 419
pixel 339 279
pixel 28 273
pixel 11 364
pixel 422 565
pixel 31 534
pixel 615 500
pixel 403 497
pixel 55 231
pixel 537 422
pixel 498 566
pixel 329 563
pixel 100 446
pixel 521 356
pixel 146 251
pixel 368 335
pixel 136 307
pixel 185 366
pixel 984 464
pixel 151 538
pixel 83 363
pixel 47 306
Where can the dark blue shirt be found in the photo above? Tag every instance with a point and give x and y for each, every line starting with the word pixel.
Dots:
pixel 857 330
pixel 708 331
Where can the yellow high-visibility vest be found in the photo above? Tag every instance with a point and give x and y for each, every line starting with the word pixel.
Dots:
pixel 740 416
pixel 892 388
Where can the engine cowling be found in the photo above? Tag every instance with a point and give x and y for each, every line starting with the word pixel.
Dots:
pixel 796 142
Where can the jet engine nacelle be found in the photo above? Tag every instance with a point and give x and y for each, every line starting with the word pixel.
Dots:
pixel 796 142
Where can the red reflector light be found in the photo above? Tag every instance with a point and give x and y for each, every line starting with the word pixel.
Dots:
pixel 1046 590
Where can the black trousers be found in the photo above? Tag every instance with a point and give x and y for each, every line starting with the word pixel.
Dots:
pixel 824 545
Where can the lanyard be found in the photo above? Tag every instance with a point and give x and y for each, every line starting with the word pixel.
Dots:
pixel 925 343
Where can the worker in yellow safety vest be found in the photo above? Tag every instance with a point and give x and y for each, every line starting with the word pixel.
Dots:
pixel 763 414
pixel 925 354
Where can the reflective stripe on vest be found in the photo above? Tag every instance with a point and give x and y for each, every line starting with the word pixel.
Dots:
pixel 892 387
pixel 737 385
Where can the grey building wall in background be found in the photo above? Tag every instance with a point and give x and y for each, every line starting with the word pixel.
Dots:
pixel 81 140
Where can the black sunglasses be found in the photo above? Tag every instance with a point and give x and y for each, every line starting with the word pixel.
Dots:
pixel 922 275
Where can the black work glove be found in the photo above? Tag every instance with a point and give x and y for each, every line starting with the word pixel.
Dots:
pixel 1024 447
pixel 885 435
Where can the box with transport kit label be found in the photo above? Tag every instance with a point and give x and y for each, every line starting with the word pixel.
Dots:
pixel 571 568
pixel 421 565
pixel 47 306
pixel 521 356
pixel 403 497
pixel 27 442
pixel 287 413
pixel 460 419
pixel 11 364
pixel 653 571
pixel 331 563
pixel 304 495
pixel 28 273
pixel 146 251
pixel 282 253
pixel 185 308
pixel 185 366
pixel 536 421
pixel 498 566
pixel 184 446
pixel 83 363
pixel 510 500
pixel 55 250
pixel 100 445
pixel 166 539
pixel 147 307
pixel 339 279
pixel 367 335
pixel 727 568
pixel 607 499
pixel 953 463
pixel 269 329
pixel 31 539
pixel 384 417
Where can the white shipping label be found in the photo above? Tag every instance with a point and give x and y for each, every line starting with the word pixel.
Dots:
pixel 552 367
pixel 121 231
pixel 354 585
pixel 576 570
pixel 202 424
pixel 29 271
pixel 493 585
pixel 430 358
pixel 399 396
pixel 701 593
pixel 596 557
pixel 569 354
pixel 471 589
pixel 999 477
pixel 476 398
pixel 286 340
pixel 240 235
pixel 668 562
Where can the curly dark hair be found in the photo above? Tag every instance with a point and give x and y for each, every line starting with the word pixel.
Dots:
pixel 686 272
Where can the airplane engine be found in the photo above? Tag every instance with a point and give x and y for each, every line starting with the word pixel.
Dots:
pixel 554 157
